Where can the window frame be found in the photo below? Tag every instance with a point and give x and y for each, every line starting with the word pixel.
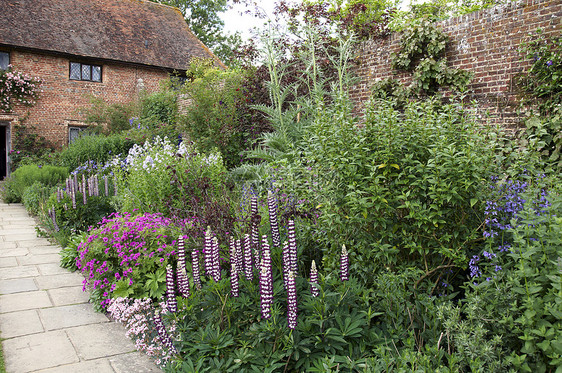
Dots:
pixel 8 54
pixel 81 132
pixel 91 70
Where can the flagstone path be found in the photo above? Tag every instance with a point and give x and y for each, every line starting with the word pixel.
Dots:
pixel 46 322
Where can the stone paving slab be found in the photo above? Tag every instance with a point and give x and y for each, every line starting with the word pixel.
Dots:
pixel 134 362
pixel 29 242
pixel 13 327
pixel 69 295
pixel 102 340
pixel 17 285
pixel 59 281
pixel 49 269
pixel 24 301
pixel 38 351
pixel 14 251
pixel 18 272
pixel 38 259
pixel 72 315
pixel 9 261
pixel 98 366
pixel 47 249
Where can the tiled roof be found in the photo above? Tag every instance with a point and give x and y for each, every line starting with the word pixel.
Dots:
pixel 135 31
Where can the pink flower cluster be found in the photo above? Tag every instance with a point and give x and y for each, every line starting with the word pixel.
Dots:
pixel 18 86
pixel 121 244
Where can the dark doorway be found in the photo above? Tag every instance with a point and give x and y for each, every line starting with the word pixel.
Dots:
pixel 3 152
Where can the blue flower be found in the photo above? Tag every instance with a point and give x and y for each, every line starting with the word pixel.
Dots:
pixel 549 63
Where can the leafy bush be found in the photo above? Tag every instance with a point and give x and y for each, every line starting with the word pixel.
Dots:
pixel 35 196
pixel 30 148
pixel 159 107
pixel 145 183
pixel 115 116
pixel 26 176
pixel 97 148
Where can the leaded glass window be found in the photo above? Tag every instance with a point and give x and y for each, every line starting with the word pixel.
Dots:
pixel 82 71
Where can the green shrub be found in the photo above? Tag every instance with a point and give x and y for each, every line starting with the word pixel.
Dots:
pixel 114 116
pixel 35 195
pixel 27 175
pixel 96 148
pixel 159 107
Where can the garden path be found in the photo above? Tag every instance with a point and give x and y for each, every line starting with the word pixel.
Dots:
pixel 46 322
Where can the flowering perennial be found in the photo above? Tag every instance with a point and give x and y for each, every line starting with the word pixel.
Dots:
pixel 344 264
pixel 266 281
pixel 314 280
pixel 272 205
pixel 171 289
pixel 18 87
pixel 248 265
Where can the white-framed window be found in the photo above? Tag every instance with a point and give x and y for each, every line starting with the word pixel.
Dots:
pixel 83 71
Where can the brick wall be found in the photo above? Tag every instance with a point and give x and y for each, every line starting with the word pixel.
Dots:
pixel 62 101
pixel 484 42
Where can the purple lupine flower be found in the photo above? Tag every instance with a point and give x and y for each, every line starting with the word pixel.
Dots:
pixel 97 185
pixel 115 185
pixel 266 282
pixel 162 333
pixel 233 252
pixel 254 227
pixel 181 273
pixel 208 253
pixel 314 280
pixel 54 217
pixel 272 206
pixel 84 198
pixel 106 185
pixel 215 257
pixel 239 257
pixel 344 264
pixel 75 179
pixel 256 246
pixel 292 246
pixel 170 289
pixel 291 301
pixel 58 195
pixel 234 279
pixel 73 196
pixel 195 268
pixel 248 270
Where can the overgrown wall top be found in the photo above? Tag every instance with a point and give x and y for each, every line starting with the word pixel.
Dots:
pixel 484 42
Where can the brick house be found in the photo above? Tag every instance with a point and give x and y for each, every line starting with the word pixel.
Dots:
pixel 110 49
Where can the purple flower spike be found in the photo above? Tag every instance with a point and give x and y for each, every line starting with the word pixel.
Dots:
pixel 181 253
pixel 292 247
pixel 183 282
pixel 195 268
pixel 248 270
pixel 58 195
pixel 208 253
pixel 54 218
pixel 256 246
pixel 239 257
pixel 73 196
pixel 115 185
pixel 233 252
pixel 162 333
pixel 170 290
pixel 272 206
pixel 234 279
pixel 106 185
pixel 266 282
pixel 291 301
pixel 344 264
pixel 85 199
pixel 215 257
pixel 314 280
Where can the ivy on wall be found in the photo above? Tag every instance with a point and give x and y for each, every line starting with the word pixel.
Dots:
pixel 422 53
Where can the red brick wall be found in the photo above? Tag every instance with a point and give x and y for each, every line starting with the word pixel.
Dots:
pixel 63 100
pixel 484 42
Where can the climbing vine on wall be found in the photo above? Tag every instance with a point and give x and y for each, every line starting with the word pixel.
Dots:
pixel 422 53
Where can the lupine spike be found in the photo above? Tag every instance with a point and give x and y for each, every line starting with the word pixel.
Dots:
pixel 97 185
pixel 216 264
pixel 195 269
pixel 183 282
pixel 208 253
pixel 73 195
pixel 106 185
pixel 314 280
pixel 248 265
pixel 85 199
pixel 291 301
pixel 162 333
pixel 114 185
pixel 272 206
pixel 266 283
pixel 292 247
pixel 344 264
pixel 58 195
pixel 170 290
pixel 181 252
pixel 232 251
pixel 256 246
pixel 239 258
pixel 54 217
pixel 234 279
